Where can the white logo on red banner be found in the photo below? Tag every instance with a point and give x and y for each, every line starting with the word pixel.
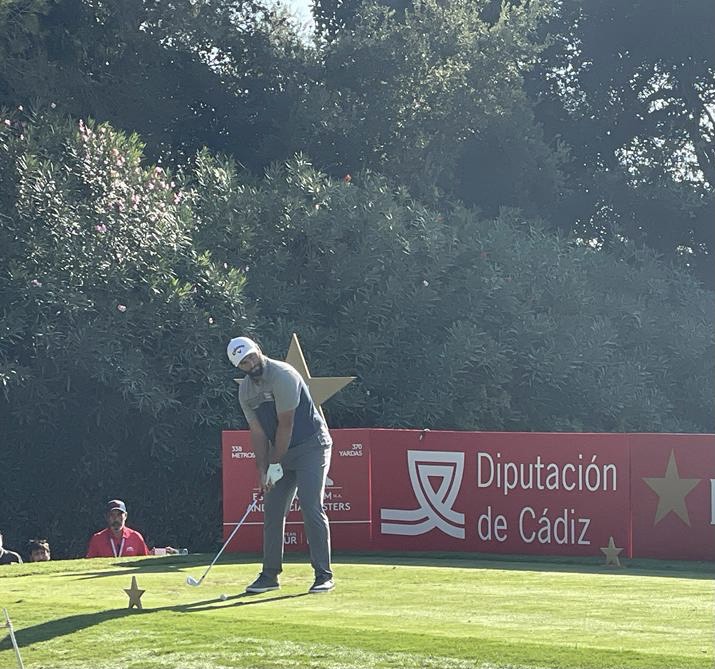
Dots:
pixel 435 510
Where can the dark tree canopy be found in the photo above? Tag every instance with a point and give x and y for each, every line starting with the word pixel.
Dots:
pixel 630 88
pixel 183 74
pixel 617 136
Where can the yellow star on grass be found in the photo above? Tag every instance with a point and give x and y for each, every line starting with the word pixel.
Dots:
pixel 672 491
pixel 611 553
pixel 321 388
pixel 135 594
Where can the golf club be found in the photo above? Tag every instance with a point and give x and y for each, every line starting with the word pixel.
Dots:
pixel 190 580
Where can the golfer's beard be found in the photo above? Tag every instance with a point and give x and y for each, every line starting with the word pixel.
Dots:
pixel 255 371
pixel 116 525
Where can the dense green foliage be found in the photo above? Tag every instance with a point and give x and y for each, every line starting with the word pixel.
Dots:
pixel 456 321
pixel 391 191
pixel 597 116
pixel 183 74
pixel 113 327
pixel 435 99
pixel 630 89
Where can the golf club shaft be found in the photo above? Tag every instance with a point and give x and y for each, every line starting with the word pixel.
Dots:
pixel 250 508
pixel 8 624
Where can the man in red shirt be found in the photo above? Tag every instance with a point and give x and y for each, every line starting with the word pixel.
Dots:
pixel 116 540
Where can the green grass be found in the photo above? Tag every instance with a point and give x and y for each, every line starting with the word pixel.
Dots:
pixel 398 611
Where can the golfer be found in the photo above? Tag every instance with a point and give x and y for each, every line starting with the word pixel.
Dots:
pixel 288 437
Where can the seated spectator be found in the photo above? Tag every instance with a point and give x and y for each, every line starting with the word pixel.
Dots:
pixel 38 550
pixel 116 540
pixel 8 557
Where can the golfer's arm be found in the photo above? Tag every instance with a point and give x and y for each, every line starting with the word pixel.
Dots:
pixel 259 444
pixel 283 435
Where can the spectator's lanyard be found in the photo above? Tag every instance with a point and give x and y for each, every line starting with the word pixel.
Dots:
pixel 114 548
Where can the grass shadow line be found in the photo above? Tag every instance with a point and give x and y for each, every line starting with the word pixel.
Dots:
pixel 141 566
pixel 577 565
pixel 53 629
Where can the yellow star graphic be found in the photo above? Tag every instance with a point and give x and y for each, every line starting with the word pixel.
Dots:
pixel 672 491
pixel 135 594
pixel 611 553
pixel 321 388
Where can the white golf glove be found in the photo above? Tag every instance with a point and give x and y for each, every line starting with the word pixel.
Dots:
pixel 274 474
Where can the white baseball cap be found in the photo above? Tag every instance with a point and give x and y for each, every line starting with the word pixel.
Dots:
pixel 239 347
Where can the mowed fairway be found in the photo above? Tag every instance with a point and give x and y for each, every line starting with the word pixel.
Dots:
pixel 387 611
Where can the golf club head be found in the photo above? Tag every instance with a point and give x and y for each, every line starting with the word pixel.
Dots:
pixel 190 580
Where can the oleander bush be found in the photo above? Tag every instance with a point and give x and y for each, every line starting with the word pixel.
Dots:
pixel 112 359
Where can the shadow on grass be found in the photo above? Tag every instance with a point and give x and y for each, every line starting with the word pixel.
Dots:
pixel 566 564
pixel 576 565
pixel 153 565
pixel 53 629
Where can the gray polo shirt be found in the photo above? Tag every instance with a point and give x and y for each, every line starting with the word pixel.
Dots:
pixel 281 388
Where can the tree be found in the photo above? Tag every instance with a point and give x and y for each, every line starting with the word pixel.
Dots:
pixel 460 321
pixel 112 355
pixel 630 88
pixel 182 74
pixel 616 136
pixel 334 16
pixel 433 97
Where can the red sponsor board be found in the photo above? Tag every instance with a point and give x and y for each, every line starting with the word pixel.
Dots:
pixel 546 494
pixel 518 493
pixel 347 494
pixel 672 489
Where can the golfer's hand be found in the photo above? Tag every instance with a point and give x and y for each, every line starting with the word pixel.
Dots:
pixel 263 483
pixel 274 474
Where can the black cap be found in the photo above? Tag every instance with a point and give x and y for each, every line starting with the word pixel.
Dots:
pixel 116 505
